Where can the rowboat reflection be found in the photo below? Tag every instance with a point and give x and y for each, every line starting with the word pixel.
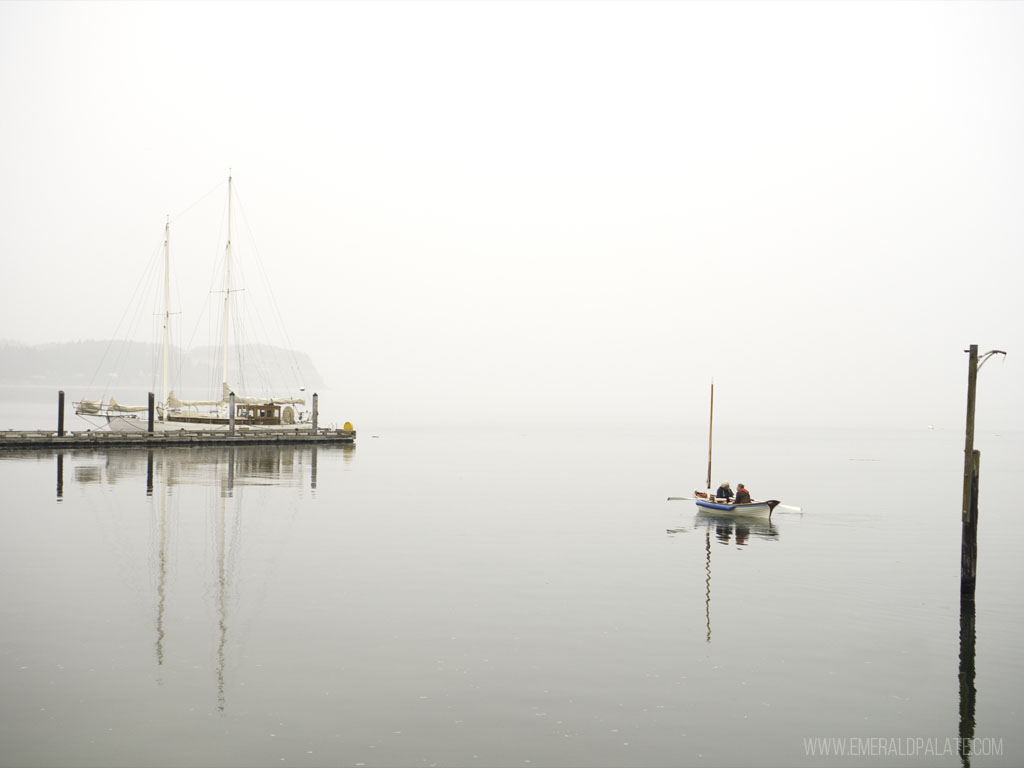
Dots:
pixel 739 528
pixel 742 527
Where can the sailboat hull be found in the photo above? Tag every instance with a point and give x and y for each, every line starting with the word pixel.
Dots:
pixel 195 424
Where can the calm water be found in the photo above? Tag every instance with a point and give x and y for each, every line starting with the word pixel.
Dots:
pixel 505 597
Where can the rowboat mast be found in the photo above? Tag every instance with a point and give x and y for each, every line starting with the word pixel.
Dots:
pixel 711 422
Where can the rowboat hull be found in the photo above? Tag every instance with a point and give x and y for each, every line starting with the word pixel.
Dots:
pixel 760 508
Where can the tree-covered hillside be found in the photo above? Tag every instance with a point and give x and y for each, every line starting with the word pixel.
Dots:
pixel 101 363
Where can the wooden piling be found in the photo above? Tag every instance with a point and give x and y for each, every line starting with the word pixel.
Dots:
pixel 316 410
pixel 972 472
pixel 152 410
pixel 969 535
pixel 60 413
pixel 231 413
pixel 969 516
pixel 972 388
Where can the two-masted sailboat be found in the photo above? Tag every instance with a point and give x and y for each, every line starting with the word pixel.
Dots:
pixel 173 413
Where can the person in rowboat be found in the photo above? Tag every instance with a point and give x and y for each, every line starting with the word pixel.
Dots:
pixel 742 494
pixel 724 492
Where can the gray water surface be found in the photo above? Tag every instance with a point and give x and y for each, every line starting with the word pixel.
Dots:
pixel 506 597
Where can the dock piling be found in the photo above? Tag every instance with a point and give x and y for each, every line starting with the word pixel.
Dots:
pixel 60 413
pixel 316 410
pixel 972 471
pixel 231 414
pixel 969 534
pixel 152 408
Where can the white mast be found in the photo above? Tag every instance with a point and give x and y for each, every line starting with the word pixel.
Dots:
pixel 167 308
pixel 227 286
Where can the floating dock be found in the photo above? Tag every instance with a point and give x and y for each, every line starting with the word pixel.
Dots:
pixel 98 438
pixel 230 434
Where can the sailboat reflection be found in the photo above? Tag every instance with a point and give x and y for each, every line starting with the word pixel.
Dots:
pixel 743 528
pixel 201 541
pixel 287 465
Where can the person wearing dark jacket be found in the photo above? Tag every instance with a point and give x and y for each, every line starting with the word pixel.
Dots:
pixel 724 492
pixel 742 494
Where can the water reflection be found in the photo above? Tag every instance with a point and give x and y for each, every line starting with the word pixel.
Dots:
pixel 161 587
pixel 727 529
pixel 742 527
pixel 200 541
pixel 227 466
pixel 967 690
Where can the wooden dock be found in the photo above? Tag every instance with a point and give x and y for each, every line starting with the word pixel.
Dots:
pixel 94 438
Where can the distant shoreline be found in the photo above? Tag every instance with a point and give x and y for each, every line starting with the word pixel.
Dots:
pixel 99 364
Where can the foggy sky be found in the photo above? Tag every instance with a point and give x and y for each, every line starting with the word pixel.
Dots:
pixel 546 211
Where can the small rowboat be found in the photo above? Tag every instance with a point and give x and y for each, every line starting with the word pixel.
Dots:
pixel 706 501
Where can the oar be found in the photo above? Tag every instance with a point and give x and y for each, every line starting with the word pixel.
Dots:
pixel 681 498
pixel 786 506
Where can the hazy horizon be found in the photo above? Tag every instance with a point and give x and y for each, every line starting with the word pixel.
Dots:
pixel 542 211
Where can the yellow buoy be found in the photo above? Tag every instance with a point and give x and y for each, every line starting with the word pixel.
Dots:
pixel 348 426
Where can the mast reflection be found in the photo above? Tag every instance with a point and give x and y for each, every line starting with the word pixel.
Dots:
pixel 288 465
pixel 739 528
pixel 200 540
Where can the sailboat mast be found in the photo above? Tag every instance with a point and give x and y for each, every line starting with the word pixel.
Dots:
pixel 711 422
pixel 167 309
pixel 227 287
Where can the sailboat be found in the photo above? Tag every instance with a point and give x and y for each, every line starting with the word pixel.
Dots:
pixel 707 500
pixel 173 413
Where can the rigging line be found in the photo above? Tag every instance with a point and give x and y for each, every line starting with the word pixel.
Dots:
pixel 253 349
pixel 212 382
pixel 296 372
pixel 117 329
pixel 174 339
pixel 216 188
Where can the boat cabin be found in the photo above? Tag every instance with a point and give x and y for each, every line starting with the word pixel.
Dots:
pixel 263 413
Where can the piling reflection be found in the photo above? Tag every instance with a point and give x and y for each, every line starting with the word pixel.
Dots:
pixel 288 465
pixel 967 689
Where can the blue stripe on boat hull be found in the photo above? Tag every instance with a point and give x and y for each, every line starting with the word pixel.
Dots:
pixel 757 507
